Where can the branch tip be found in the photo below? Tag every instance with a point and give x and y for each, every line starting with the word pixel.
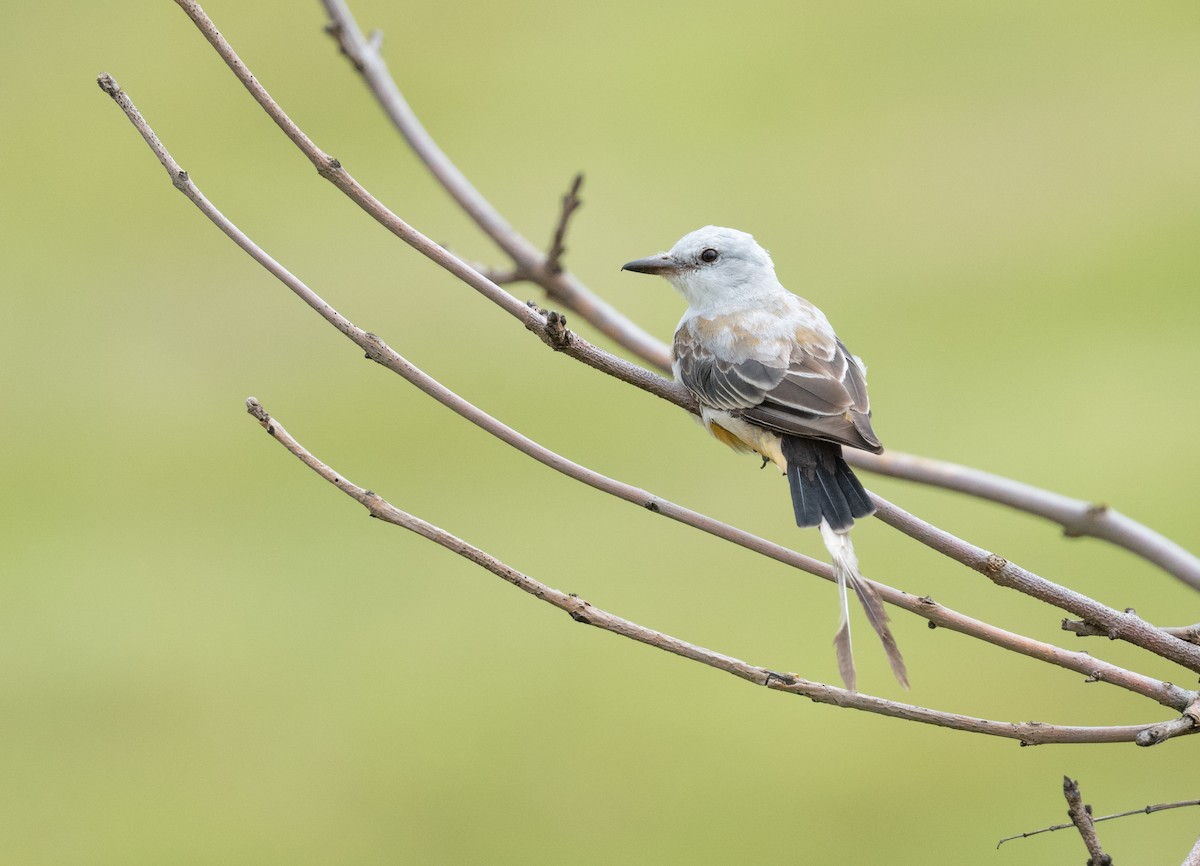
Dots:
pixel 108 84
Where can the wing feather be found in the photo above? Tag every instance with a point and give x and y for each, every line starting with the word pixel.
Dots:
pixel 815 393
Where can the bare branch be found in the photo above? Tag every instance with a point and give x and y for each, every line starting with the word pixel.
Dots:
pixel 1081 817
pixel 1077 517
pixel 375 349
pixel 561 287
pixel 1028 733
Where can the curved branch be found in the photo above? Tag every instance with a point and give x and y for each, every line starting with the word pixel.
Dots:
pixel 1077 517
pixel 1028 733
pixel 1096 670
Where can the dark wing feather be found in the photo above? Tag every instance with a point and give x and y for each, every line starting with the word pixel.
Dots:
pixel 814 396
pixel 719 383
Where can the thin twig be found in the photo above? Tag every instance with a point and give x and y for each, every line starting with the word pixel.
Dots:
pixel 1077 517
pixel 570 203
pixel 1081 817
pixel 561 287
pixel 375 349
pixel 1028 733
pixel 1145 810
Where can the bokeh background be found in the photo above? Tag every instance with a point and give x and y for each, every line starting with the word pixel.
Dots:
pixel 208 655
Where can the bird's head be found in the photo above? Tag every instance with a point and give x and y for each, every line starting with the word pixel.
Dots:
pixel 712 267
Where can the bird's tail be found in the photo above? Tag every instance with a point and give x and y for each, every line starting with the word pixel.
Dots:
pixel 826 493
pixel 845 569
pixel 823 486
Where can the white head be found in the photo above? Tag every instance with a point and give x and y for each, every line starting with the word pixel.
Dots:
pixel 714 266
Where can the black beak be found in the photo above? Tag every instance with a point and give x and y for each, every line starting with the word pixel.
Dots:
pixel 660 264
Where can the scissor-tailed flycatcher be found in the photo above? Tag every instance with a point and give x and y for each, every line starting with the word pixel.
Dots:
pixel 772 377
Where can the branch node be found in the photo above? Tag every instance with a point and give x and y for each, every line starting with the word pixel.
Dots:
pixel 557 335
pixel 928 601
pixel 329 167
pixel 783 679
pixel 994 565
pixel 1149 737
pixel 576 611
pixel 377 350
pixel 1086 524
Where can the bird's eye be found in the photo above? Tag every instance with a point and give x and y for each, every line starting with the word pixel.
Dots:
pixel 709 255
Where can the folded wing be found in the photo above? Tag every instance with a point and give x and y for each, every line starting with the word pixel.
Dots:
pixel 814 388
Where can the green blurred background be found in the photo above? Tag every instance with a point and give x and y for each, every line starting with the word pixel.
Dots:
pixel 208 655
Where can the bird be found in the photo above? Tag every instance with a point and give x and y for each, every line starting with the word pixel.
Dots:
pixel 771 377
